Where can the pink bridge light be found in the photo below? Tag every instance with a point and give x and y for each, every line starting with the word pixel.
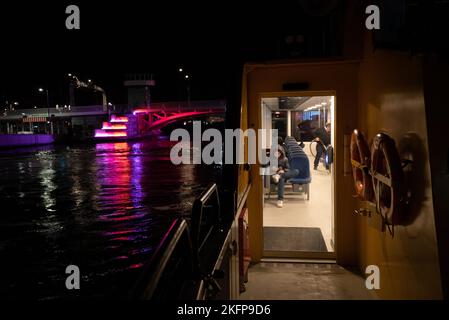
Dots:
pixel 118 119
pixel 113 126
pixel 107 134
pixel 141 111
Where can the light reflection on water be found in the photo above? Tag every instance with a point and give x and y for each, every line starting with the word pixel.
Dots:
pixel 103 208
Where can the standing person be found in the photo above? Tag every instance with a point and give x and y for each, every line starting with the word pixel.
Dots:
pixel 283 173
pixel 323 137
pixel 297 135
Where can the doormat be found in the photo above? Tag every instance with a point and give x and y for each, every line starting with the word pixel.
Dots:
pixel 293 239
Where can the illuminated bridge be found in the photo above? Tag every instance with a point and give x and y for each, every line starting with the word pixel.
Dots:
pixel 142 121
pixel 104 121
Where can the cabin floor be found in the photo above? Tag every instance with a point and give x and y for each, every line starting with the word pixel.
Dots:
pixel 299 212
pixel 304 281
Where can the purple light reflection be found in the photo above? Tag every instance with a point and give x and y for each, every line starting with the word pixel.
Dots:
pixel 120 198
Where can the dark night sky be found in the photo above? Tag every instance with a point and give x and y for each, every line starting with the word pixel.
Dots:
pixel 209 39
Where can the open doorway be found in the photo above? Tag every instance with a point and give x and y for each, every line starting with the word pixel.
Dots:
pixel 298 214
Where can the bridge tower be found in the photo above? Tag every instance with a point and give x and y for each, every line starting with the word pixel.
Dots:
pixel 139 89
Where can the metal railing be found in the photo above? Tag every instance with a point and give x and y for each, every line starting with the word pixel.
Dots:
pixel 179 247
pixel 64 111
pixel 150 285
pixel 199 221
pixel 69 111
pixel 177 106
pixel 206 223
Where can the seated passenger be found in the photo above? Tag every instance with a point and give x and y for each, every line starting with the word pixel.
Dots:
pixel 283 173
pixel 281 144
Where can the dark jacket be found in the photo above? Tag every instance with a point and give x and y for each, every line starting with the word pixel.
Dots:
pixel 284 163
pixel 324 136
pixel 297 134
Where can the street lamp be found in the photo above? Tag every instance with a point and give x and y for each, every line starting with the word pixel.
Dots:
pixel 188 89
pixel 76 83
pixel 72 76
pixel 15 103
pixel 186 77
pixel 48 106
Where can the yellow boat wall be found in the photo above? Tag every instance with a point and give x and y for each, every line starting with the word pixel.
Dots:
pixel 391 100
pixel 381 91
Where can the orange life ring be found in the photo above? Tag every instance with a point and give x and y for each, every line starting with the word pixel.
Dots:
pixel 360 161
pixel 387 177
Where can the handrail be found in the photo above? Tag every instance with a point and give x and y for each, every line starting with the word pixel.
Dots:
pixel 197 215
pixel 227 244
pixel 148 283
pixel 145 287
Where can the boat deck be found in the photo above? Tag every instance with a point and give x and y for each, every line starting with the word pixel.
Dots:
pixel 304 281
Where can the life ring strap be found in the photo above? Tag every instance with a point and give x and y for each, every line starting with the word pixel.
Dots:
pixel 360 162
pixel 384 179
pixel 357 164
pixel 385 155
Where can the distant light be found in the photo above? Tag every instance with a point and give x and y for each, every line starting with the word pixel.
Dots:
pixel 180 70
pixel 277 112
pixel 99 133
pixel 88 80
pixel 113 126
pixel 137 111
pixel 16 103
pixel 109 104
pixel 35 107
pixel 118 119
pixel 23 114
pixel 187 76
pixel 69 74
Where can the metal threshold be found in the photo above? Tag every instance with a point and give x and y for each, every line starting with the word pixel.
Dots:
pixel 296 260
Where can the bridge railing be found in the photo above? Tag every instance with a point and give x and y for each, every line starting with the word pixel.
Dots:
pixel 190 106
pixel 177 106
pixel 68 111
pixel 45 112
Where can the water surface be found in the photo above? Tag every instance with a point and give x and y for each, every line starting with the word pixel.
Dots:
pixel 103 208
